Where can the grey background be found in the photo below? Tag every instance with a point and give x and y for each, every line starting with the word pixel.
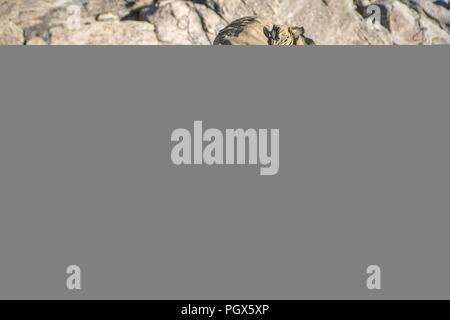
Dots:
pixel 86 176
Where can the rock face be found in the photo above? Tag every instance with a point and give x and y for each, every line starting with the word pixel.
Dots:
pixel 106 33
pixel 10 34
pixel 199 21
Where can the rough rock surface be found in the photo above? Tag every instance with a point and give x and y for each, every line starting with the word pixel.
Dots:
pixel 36 41
pixel 198 21
pixel 106 33
pixel 10 34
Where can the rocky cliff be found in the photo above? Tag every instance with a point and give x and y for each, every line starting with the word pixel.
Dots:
pixel 198 21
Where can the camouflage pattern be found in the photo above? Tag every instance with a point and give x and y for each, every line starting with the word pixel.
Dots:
pixel 260 31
